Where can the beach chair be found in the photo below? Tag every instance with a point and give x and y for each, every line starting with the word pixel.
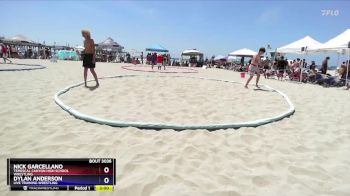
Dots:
pixel 319 79
pixel 328 81
pixel 339 82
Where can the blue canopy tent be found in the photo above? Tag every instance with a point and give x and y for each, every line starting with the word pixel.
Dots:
pixel 157 48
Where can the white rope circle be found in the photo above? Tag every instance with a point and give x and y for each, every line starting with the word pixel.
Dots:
pixel 30 67
pixel 169 69
pixel 154 125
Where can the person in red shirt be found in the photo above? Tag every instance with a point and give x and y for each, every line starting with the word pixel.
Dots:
pixel 4 53
pixel 160 61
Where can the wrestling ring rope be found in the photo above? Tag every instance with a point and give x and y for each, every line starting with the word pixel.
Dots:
pixel 31 67
pixel 168 69
pixel 154 125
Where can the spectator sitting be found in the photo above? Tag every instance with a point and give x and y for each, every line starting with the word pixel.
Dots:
pixel 313 72
pixel 313 66
pixel 342 71
pixel 296 65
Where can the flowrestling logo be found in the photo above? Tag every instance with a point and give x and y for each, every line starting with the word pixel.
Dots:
pixel 330 12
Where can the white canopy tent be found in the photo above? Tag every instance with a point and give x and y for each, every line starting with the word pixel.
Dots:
pixel 110 45
pixel 191 52
pixel 220 57
pixel 301 46
pixel 232 58
pixel 307 42
pixel 340 44
pixel 21 38
pixel 133 52
pixel 243 52
pixel 79 48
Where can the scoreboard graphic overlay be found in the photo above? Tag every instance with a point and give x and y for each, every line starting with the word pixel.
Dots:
pixel 89 174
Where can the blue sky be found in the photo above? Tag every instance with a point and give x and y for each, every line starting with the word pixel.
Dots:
pixel 214 27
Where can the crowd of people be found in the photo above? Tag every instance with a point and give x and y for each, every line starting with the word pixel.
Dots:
pixel 281 68
pixel 158 59
pixel 4 53
pixel 23 52
pixel 300 70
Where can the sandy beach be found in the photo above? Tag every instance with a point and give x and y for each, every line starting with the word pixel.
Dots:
pixel 306 154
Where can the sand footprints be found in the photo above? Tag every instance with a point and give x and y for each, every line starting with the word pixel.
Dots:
pixel 249 138
pixel 314 173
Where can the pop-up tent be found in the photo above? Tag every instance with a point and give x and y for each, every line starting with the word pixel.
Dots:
pixel 156 48
pixel 232 58
pixel 191 52
pixel 196 57
pixel 243 52
pixel 79 48
pixel 21 38
pixel 108 50
pixel 109 42
pixel 133 52
pixel 220 58
pixel 307 42
pixel 301 46
pixel 110 45
pixel 339 42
